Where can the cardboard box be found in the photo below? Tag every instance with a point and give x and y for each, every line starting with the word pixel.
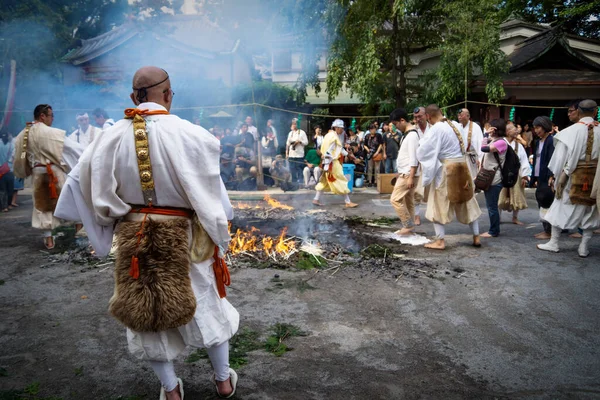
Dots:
pixel 384 183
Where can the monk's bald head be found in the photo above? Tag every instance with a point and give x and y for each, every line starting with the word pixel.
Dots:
pixel 433 110
pixel 587 108
pixel 151 84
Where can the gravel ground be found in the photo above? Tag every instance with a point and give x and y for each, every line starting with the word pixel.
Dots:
pixel 503 321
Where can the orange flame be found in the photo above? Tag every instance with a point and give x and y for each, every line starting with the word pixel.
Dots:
pixel 251 242
pixel 275 204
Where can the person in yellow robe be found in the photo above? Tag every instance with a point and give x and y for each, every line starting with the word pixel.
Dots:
pixel 333 179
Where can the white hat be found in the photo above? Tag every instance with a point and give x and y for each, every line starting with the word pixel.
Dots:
pixel 338 123
pixel 84 115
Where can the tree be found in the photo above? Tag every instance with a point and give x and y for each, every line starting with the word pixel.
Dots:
pixel 38 33
pixel 579 17
pixel 373 41
pixel 471 47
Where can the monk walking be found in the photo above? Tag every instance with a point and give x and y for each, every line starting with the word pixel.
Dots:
pixel 43 153
pixel 156 178
pixel 442 154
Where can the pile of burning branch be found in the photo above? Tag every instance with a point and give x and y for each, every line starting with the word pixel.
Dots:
pixel 256 245
pixel 272 204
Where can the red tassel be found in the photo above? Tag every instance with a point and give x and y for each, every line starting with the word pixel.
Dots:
pixel 134 271
pixel 221 271
pixel 53 182
pixel 586 185
pixel 330 177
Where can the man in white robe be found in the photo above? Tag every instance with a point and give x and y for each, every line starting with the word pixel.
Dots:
pixel 85 133
pixel 473 148
pixel 421 192
pixel 107 182
pixel 570 148
pixel 47 157
pixel 102 119
pixel 438 150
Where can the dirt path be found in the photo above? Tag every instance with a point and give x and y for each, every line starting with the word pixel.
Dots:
pixel 516 323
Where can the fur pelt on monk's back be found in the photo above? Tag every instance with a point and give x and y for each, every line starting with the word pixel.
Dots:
pixel 42 198
pixel 460 183
pixel 162 297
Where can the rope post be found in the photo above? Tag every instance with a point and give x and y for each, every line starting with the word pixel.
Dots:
pixel 260 179
pixel 466 77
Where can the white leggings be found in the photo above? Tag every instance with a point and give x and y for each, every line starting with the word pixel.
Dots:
pixel 219 358
pixel 440 230
pixel 320 193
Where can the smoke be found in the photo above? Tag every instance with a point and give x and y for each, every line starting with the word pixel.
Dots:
pixel 207 56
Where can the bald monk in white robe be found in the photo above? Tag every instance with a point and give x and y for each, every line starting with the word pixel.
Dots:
pixel 44 154
pixel 569 149
pixel 111 185
pixel 441 154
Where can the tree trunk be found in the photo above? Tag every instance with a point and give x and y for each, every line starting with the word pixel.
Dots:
pixel 399 71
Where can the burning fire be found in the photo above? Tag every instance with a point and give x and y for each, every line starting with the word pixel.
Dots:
pixel 275 204
pixel 253 242
pixel 270 201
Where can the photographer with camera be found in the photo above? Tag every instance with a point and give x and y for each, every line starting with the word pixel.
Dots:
pixel 374 148
pixel 296 142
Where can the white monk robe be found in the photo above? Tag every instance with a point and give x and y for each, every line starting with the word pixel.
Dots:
pixel 514 199
pixel 86 137
pixel 46 145
pixel 476 141
pixel 185 166
pixel 569 148
pixel 438 146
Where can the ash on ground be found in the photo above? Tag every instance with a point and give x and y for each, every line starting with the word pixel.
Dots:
pixel 332 244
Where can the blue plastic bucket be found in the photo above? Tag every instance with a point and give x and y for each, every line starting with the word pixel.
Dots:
pixel 349 174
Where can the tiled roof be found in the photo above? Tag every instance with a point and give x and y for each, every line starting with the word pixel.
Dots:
pixel 552 77
pixel 533 48
pixel 102 44
pixel 192 34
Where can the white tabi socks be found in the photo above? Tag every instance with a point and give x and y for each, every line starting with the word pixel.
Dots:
pixel 583 247
pixel 552 245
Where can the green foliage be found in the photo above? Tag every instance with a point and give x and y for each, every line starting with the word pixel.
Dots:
pixel 245 341
pixel 579 17
pixel 280 332
pixel 471 47
pixel 371 50
pixel 34 388
pixel 309 261
pixel 376 251
pixel 49 29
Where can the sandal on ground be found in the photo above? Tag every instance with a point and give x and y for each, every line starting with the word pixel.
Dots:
pixel 163 392
pixel 233 377
pixel 46 243
pixel 14 205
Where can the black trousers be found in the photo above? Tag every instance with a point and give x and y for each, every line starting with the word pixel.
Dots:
pixel 7 185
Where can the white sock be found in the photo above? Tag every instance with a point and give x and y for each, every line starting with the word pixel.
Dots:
pixel 47 234
pixel 219 358
pixel 417 210
pixel 347 198
pixel 318 195
pixel 166 373
pixel 474 227
pixel 440 231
